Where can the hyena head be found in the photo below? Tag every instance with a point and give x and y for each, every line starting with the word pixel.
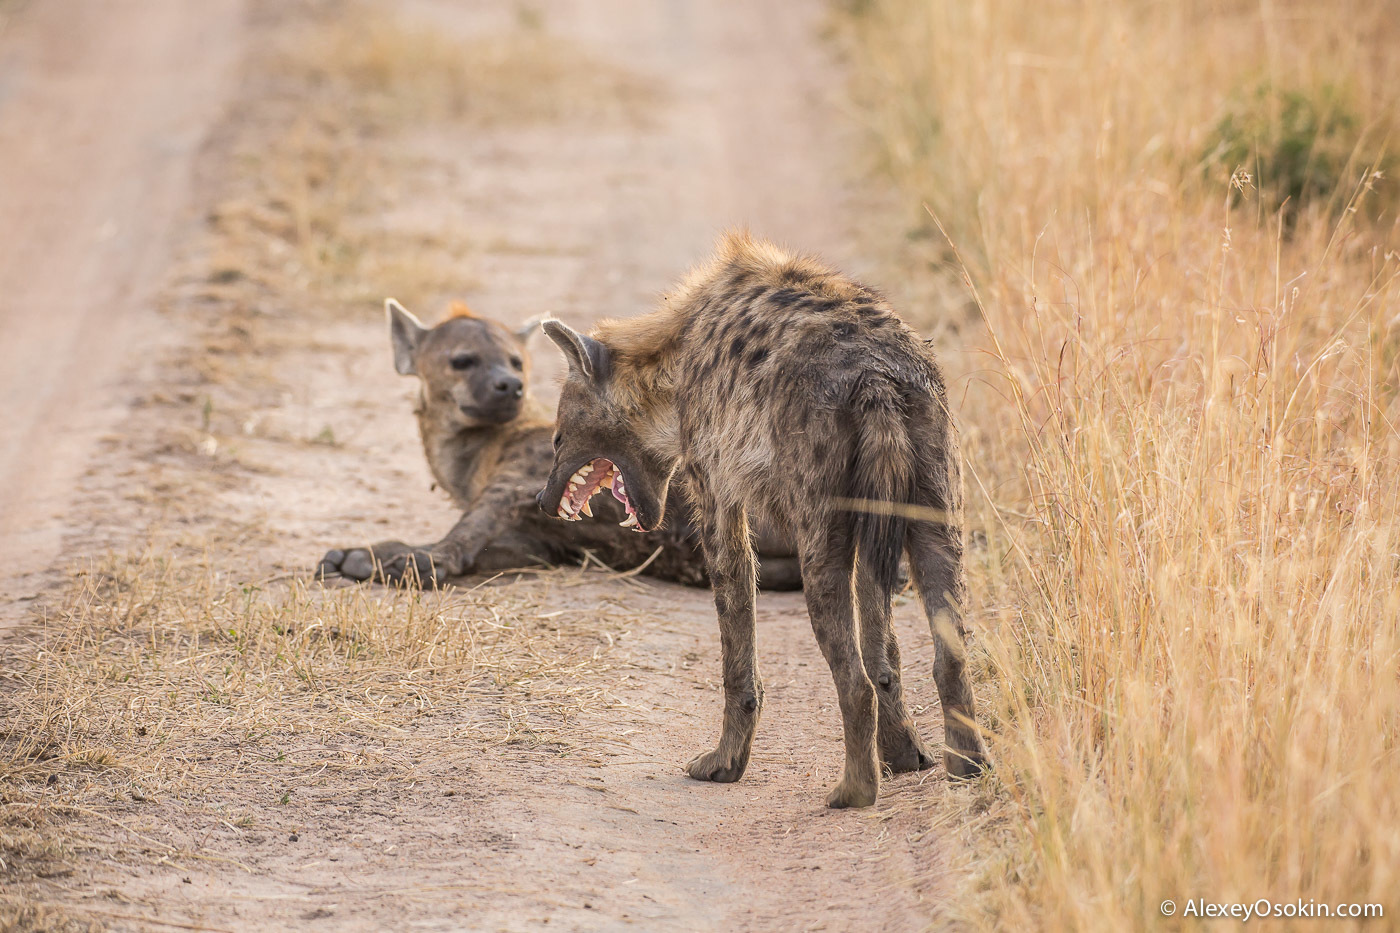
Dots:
pixel 475 371
pixel 597 444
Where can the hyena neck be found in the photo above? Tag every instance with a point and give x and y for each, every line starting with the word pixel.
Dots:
pixel 659 432
pixel 645 353
pixel 463 459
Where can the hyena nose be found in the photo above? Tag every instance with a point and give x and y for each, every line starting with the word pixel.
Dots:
pixel 539 500
pixel 509 386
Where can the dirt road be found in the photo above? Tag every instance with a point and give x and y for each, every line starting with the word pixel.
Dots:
pixel 95 168
pixel 601 830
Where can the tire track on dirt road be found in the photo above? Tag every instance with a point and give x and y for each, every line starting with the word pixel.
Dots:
pixel 103 108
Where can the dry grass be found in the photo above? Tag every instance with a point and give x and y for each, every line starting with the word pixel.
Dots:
pixel 19 917
pixel 1182 433
pixel 161 677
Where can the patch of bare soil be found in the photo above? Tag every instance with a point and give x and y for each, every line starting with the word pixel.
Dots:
pixel 197 734
pixel 95 166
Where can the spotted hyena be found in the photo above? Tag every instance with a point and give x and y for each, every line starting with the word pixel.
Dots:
pixel 776 388
pixel 488 444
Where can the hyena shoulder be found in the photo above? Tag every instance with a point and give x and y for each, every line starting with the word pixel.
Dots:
pixel 762 323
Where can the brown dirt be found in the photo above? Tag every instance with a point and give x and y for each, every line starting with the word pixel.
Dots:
pixel 271 426
pixel 96 158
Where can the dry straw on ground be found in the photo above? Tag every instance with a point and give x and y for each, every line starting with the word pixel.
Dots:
pixel 161 677
pixel 1182 421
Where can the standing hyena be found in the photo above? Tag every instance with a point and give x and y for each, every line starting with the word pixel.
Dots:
pixel 781 389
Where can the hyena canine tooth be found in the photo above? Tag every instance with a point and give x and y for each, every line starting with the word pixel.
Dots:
pixel 776 387
pixel 488 444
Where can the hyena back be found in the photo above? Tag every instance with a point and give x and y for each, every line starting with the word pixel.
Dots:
pixel 779 388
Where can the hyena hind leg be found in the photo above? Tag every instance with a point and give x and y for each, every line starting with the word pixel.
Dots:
pixel 936 563
pixel 827 570
pixel 900 747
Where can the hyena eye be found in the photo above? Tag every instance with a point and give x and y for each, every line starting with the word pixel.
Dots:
pixel 517 363
pixel 463 362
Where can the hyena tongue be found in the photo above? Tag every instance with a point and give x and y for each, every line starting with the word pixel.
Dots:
pixel 620 494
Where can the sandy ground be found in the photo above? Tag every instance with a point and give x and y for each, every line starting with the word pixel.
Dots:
pixel 96 159
pixel 602 832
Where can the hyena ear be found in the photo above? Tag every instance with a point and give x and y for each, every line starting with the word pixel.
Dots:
pixel 585 355
pixel 405 332
pixel 529 327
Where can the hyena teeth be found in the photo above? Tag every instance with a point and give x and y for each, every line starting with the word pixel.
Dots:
pixel 587 509
pixel 881 419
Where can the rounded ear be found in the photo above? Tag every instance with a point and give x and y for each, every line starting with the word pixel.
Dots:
pixel 405 333
pixel 529 327
pixel 586 356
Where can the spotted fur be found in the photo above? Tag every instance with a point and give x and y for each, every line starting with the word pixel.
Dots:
pixel 779 389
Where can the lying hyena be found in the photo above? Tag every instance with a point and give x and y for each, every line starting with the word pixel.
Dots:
pixel 776 387
pixel 488 444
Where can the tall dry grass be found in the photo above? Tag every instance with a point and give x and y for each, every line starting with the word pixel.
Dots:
pixel 1181 409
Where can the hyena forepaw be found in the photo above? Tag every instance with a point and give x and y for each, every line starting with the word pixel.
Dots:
pixel 330 564
pixel 851 793
pixel 419 566
pixel 387 562
pixel 717 766
pixel 356 563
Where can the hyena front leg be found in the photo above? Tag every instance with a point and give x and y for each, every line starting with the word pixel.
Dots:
pixel 827 570
pixel 936 563
pixel 733 572
pixel 900 747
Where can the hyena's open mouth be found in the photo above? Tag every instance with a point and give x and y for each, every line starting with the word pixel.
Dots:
pixel 588 481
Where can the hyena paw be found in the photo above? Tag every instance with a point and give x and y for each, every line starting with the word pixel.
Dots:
pixel 853 793
pixel 356 563
pixel 421 565
pixel 902 750
pixel 330 564
pixel 716 766
pixel 964 755
pixel 386 562
pixel 966 765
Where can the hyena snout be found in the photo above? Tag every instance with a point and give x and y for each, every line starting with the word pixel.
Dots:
pixel 507 386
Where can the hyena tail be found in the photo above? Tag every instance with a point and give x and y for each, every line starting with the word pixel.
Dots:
pixel 882 483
